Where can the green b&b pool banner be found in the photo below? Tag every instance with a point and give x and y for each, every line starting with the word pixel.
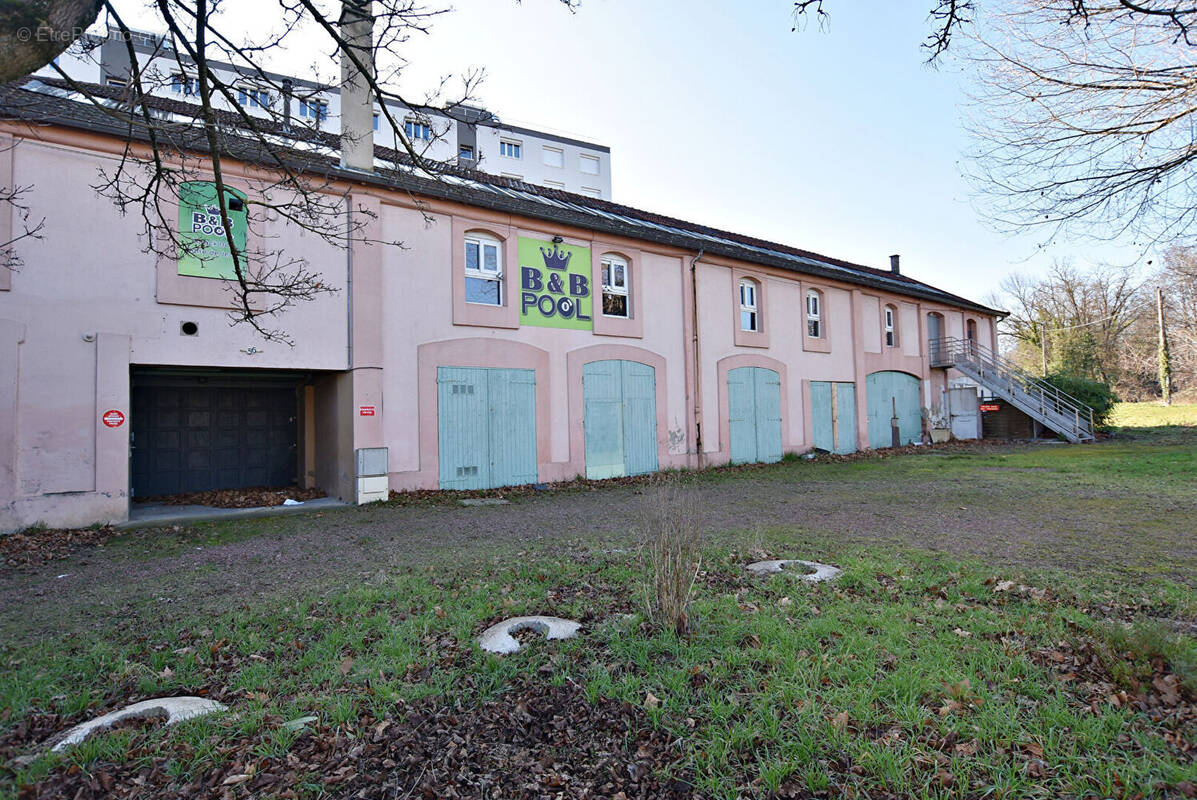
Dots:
pixel 203 248
pixel 555 287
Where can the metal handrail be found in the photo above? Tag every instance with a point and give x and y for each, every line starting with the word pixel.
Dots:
pixel 1071 411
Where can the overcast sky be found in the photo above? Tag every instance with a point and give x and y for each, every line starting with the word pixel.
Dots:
pixel 841 141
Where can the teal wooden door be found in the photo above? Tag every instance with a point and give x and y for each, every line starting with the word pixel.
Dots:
pixel 833 416
pixel 486 427
pixel 754 414
pixel 885 392
pixel 820 416
pixel 620 400
pixel 639 418
pixel 845 403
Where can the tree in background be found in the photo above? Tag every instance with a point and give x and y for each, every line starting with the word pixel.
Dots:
pixel 1083 111
pixel 1084 317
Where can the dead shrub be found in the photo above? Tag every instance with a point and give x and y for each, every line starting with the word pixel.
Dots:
pixel 670 555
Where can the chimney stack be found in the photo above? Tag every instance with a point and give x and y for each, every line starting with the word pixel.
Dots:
pixel 357 103
pixel 893 264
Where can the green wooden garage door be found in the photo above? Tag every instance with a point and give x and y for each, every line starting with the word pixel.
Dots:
pixel 621 418
pixel 754 414
pixel 886 391
pixel 486 426
pixel 833 432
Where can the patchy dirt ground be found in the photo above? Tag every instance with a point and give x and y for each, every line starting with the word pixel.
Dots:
pixel 534 741
pixel 1082 508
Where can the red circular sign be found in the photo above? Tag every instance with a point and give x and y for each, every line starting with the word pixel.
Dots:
pixel 113 418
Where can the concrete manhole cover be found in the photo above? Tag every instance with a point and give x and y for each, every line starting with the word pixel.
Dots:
pixel 498 638
pixel 813 571
pixel 170 709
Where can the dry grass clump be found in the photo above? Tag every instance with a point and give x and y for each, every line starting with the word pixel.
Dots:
pixel 670 555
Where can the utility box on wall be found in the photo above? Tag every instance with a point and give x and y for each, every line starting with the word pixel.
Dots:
pixel 372 481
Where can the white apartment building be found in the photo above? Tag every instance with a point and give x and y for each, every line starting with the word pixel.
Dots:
pixel 471 135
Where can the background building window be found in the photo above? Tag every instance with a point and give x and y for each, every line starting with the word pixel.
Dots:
pixel 465 151
pixel 510 149
pixel 749 319
pixel 252 97
pixel 417 130
pixel 483 270
pixel 553 156
pixel 589 165
pixel 891 333
pixel 615 286
pixel 184 84
pixel 375 120
pixel 814 314
pixel 313 109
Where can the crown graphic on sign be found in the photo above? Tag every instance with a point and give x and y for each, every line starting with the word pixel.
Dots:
pixel 213 210
pixel 556 259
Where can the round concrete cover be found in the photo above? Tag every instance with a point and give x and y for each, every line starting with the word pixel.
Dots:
pixel 822 572
pixel 171 709
pixel 498 637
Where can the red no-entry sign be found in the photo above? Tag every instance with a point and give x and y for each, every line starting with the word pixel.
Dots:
pixel 113 418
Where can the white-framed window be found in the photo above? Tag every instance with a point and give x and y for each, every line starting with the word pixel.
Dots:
pixel 891 330
pixel 483 269
pixel 749 315
pixel 375 120
pixel 253 97
pixel 509 148
pixel 589 165
pixel 121 82
pixel 465 151
pixel 311 108
pixel 615 286
pixel 187 85
pixel 552 156
pixel 590 191
pixel 814 314
pixel 417 130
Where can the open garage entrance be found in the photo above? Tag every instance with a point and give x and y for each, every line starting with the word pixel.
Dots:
pixel 205 430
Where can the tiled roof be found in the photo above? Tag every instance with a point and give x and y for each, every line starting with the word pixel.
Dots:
pixel 43 101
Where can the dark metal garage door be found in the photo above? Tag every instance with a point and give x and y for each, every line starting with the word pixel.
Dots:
pixel 197 433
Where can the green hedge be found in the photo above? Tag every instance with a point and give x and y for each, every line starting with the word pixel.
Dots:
pixel 1095 394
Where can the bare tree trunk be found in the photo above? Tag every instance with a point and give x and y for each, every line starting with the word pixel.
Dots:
pixel 35 32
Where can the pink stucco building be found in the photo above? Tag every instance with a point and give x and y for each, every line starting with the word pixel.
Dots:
pixel 521 334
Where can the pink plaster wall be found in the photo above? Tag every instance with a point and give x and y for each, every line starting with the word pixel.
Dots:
pixel 85 306
pixel 85 309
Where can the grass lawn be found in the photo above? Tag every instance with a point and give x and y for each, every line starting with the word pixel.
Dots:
pixel 1156 418
pixel 924 671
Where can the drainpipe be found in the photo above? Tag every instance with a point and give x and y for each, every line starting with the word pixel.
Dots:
pixel 349 281
pixel 697 360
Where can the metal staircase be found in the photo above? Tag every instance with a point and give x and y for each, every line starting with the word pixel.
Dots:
pixel 1035 397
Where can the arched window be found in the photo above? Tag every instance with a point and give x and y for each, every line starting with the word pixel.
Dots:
pixel 483 269
pixel 749 315
pixel 971 330
pixel 814 314
pixel 891 326
pixel 615 286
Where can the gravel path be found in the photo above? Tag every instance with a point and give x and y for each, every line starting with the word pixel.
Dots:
pixel 1013 516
